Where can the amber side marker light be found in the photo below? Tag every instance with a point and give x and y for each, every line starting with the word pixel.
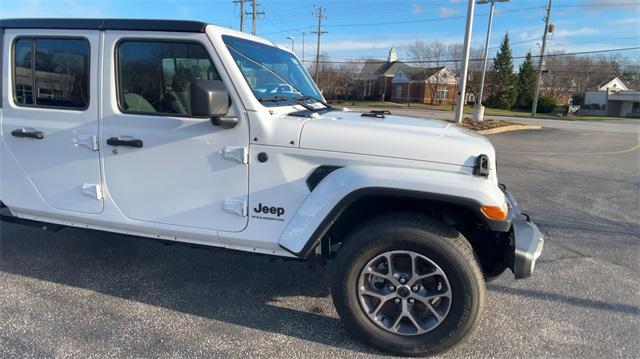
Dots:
pixel 494 212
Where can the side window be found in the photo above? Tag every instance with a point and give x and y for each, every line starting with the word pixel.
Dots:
pixel 154 76
pixel 51 72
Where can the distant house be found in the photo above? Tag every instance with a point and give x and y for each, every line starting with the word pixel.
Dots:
pixel 425 85
pixel 376 76
pixel 612 98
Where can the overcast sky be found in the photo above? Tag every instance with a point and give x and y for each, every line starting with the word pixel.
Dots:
pixel 368 28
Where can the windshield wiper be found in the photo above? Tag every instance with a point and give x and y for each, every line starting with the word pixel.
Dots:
pixel 300 100
pixel 274 99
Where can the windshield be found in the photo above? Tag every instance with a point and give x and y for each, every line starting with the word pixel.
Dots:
pixel 275 76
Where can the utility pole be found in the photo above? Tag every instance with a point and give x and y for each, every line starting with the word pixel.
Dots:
pixel 254 13
pixel 319 12
pixel 241 2
pixel 465 61
pixel 534 106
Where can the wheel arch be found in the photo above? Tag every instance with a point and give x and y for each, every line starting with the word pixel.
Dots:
pixel 348 196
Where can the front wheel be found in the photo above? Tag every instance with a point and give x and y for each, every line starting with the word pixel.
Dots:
pixel 408 284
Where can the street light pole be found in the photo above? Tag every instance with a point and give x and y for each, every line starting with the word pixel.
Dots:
pixel 302 46
pixel 478 113
pixel 293 41
pixel 465 61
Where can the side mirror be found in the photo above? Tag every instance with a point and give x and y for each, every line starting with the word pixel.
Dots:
pixel 209 98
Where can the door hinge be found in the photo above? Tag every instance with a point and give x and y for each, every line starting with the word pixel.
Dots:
pixel 237 153
pixel 92 190
pixel 236 206
pixel 88 141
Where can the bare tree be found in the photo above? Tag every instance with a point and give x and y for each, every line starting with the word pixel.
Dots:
pixel 429 57
pixel 338 81
pixel 474 75
pixel 455 52
pixel 568 75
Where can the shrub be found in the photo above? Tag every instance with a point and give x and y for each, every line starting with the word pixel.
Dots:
pixel 546 104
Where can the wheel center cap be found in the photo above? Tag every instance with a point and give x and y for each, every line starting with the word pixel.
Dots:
pixel 404 291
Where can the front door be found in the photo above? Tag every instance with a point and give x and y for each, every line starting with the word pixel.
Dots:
pixel 161 164
pixel 50 116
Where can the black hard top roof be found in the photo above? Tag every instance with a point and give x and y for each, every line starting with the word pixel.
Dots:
pixel 105 24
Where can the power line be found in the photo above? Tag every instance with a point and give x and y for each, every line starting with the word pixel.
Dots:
pixel 598 5
pixel 433 19
pixel 444 18
pixel 280 22
pixel 290 30
pixel 513 57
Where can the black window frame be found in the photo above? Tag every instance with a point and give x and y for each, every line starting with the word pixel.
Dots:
pixel 1 64
pixel 116 62
pixel 33 38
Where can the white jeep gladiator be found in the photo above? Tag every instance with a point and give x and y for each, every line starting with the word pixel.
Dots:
pixel 188 132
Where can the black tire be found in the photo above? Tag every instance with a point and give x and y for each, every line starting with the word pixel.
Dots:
pixel 424 235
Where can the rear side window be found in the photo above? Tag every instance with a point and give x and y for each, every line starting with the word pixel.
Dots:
pixel 154 76
pixel 51 72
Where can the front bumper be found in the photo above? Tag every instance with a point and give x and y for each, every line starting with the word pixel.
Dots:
pixel 527 240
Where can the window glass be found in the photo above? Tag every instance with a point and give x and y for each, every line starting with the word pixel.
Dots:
pixel 275 76
pixel 154 76
pixel 23 80
pixel 60 75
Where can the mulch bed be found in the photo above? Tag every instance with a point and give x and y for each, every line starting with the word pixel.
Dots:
pixel 486 124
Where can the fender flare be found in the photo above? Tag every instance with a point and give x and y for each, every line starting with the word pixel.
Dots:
pixel 342 187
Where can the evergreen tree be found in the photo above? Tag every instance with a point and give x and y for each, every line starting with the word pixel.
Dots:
pixel 526 83
pixel 505 92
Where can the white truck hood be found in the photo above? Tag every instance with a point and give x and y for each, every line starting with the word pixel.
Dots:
pixel 395 136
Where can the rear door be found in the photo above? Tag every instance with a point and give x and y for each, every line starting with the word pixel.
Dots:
pixel 161 164
pixel 50 115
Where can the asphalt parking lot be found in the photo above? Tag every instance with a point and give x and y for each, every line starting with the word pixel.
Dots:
pixel 81 293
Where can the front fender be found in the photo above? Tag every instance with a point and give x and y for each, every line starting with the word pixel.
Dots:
pixel 345 185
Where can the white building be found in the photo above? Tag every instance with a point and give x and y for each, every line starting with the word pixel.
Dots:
pixel 612 98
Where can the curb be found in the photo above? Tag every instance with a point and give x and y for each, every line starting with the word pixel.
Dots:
pixel 493 131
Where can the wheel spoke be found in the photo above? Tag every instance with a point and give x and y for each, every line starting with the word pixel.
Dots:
pixel 414 265
pixel 404 313
pixel 377 309
pixel 425 299
pixel 389 277
pixel 420 277
pixel 446 294
pixel 438 316
pixel 414 322
pixel 380 296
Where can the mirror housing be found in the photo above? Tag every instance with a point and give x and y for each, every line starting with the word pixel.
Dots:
pixel 210 98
